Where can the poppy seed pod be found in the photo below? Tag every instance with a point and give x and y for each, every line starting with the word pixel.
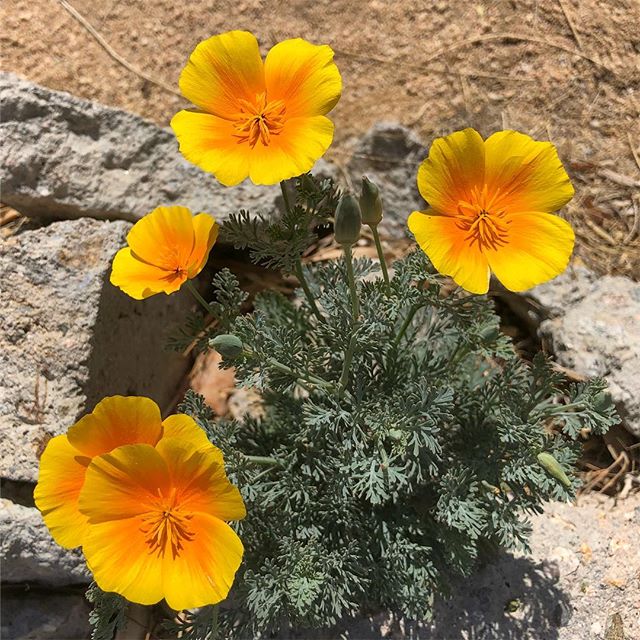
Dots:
pixel 227 345
pixel 553 467
pixel 370 203
pixel 347 221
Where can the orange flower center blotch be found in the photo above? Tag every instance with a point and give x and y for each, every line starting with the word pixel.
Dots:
pixel 485 222
pixel 166 526
pixel 259 121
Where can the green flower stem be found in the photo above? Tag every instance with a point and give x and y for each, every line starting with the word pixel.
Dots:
pixel 298 264
pixel 262 461
pixel 215 631
pixel 307 291
pixel 344 378
pixel 383 262
pixel 355 303
pixel 285 196
pixel 405 324
pixel 283 368
pixel 196 294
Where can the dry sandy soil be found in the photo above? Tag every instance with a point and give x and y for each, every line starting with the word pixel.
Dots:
pixel 564 70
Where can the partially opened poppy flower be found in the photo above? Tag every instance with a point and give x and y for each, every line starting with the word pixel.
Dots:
pixel 166 248
pixel 490 210
pixel 262 120
pixel 114 422
pixel 156 524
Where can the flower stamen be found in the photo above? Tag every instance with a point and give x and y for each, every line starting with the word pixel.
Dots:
pixel 259 121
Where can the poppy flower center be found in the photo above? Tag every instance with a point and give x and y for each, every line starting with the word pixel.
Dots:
pixel 259 120
pixel 166 528
pixel 484 221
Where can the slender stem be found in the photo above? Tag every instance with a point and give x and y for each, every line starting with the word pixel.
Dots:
pixel 262 461
pixel 196 294
pixel 355 304
pixel 307 291
pixel 283 368
pixel 346 367
pixel 405 324
pixel 383 262
pixel 138 623
pixel 214 623
pixel 298 265
pixel 285 196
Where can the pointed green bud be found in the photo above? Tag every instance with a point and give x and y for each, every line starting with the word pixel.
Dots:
pixel 370 203
pixel 348 221
pixel 227 345
pixel 554 468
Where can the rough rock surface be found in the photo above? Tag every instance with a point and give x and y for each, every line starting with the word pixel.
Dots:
pixel 390 154
pixel 29 614
pixel 592 325
pixel 64 157
pixel 29 554
pixel 68 337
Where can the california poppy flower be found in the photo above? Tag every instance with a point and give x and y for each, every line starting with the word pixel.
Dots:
pixel 166 248
pixel 490 210
pixel 262 120
pixel 114 422
pixel 156 524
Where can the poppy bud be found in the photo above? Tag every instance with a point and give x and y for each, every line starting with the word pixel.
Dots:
pixel 227 345
pixel 553 467
pixel 348 221
pixel 370 203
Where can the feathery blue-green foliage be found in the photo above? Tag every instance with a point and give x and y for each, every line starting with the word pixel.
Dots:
pixel 389 480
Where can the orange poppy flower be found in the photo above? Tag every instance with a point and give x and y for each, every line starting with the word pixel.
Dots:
pixel 156 524
pixel 114 422
pixel 262 120
pixel 490 210
pixel 166 248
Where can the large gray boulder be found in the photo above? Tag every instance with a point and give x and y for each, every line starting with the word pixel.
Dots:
pixel 592 325
pixel 29 554
pixel 64 157
pixel 68 337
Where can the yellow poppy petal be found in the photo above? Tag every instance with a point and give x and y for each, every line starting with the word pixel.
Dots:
pixel 119 557
pixel 303 76
pixel 205 230
pixel 223 70
pixel 62 473
pixel 199 477
pixel 123 483
pixel 186 430
pixel 444 242
pixel 292 152
pixel 538 249
pixel 141 280
pixel 204 570
pixel 116 421
pixel 163 238
pixel 211 143
pixel 527 174
pixel 455 167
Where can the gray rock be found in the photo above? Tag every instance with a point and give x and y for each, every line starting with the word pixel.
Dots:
pixel 592 324
pixel 29 614
pixel 68 337
pixel 64 157
pixel 390 154
pixel 29 554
